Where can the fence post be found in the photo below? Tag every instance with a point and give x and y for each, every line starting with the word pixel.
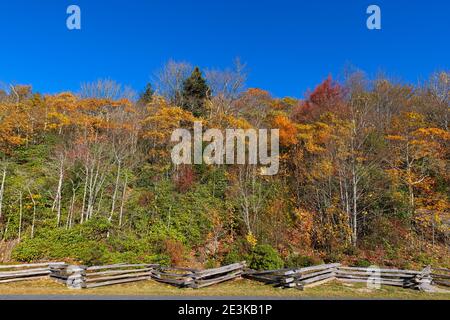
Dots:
pixel 76 277
pixel 423 280
pixel 57 271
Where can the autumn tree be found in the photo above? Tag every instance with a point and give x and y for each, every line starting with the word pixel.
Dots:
pixel 416 151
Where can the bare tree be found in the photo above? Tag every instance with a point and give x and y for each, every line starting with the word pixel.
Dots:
pixel 124 146
pixel 229 82
pixel 96 171
pixel 226 86
pixel 107 89
pixel 251 196
pixel 169 80
pixel 437 99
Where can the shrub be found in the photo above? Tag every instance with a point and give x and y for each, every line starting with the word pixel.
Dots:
pixel 161 259
pixel 333 257
pixel 175 250
pixel 264 257
pixel 232 256
pixel 211 263
pixel 424 259
pixel 296 260
pixel 350 251
pixel 185 179
pixel 362 263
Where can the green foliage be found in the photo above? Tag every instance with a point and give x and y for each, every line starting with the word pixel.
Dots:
pixel 233 256
pixel 362 263
pixel 264 257
pixel 147 95
pixel 424 259
pixel 195 92
pixel 333 257
pixel 296 260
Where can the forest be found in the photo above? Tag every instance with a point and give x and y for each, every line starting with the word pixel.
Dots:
pixel 363 174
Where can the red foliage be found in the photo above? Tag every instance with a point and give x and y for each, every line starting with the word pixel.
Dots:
pixel 184 179
pixel 326 97
pixel 175 249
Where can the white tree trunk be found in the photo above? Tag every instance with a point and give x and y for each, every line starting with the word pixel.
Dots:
pixel 84 194
pixel 34 213
pixel 2 189
pixel 116 188
pixel 59 191
pixel 355 206
pixel 20 216
pixel 123 201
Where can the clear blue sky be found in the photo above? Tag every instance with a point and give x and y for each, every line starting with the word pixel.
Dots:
pixel 288 45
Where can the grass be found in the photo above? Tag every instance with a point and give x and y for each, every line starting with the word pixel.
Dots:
pixel 234 288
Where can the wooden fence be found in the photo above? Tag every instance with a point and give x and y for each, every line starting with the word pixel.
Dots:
pixel 296 278
pixel 179 277
pixel 392 277
pixel 191 278
pixel 70 275
pixel 78 277
pixel 23 272
pixel 82 277
pixel 441 276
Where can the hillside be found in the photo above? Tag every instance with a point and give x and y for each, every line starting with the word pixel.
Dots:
pixel 363 175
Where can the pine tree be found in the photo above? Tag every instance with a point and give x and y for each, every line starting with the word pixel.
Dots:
pixel 194 94
pixel 147 95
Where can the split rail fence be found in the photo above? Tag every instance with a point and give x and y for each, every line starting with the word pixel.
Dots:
pixel 441 276
pixel 191 278
pixel 296 278
pixel 420 280
pixel 83 277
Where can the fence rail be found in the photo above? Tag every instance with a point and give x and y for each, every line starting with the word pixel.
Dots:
pixel 441 276
pixel 24 272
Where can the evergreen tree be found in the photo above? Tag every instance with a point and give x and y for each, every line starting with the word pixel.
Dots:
pixel 194 94
pixel 147 95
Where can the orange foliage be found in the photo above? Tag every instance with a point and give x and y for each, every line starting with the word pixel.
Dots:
pixel 288 130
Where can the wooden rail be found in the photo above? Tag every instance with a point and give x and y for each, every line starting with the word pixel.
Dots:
pixel 441 276
pixel 24 272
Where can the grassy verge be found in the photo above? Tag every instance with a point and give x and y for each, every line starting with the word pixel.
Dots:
pixel 234 288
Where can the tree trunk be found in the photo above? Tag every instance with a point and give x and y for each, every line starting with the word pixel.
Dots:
pixel 2 188
pixel 59 191
pixel 355 207
pixel 84 194
pixel 71 209
pixel 34 214
pixel 116 187
pixel 123 201
pixel 20 216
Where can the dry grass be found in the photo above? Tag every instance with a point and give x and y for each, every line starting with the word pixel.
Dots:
pixel 233 288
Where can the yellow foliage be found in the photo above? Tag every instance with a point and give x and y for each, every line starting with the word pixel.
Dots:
pixel 251 239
